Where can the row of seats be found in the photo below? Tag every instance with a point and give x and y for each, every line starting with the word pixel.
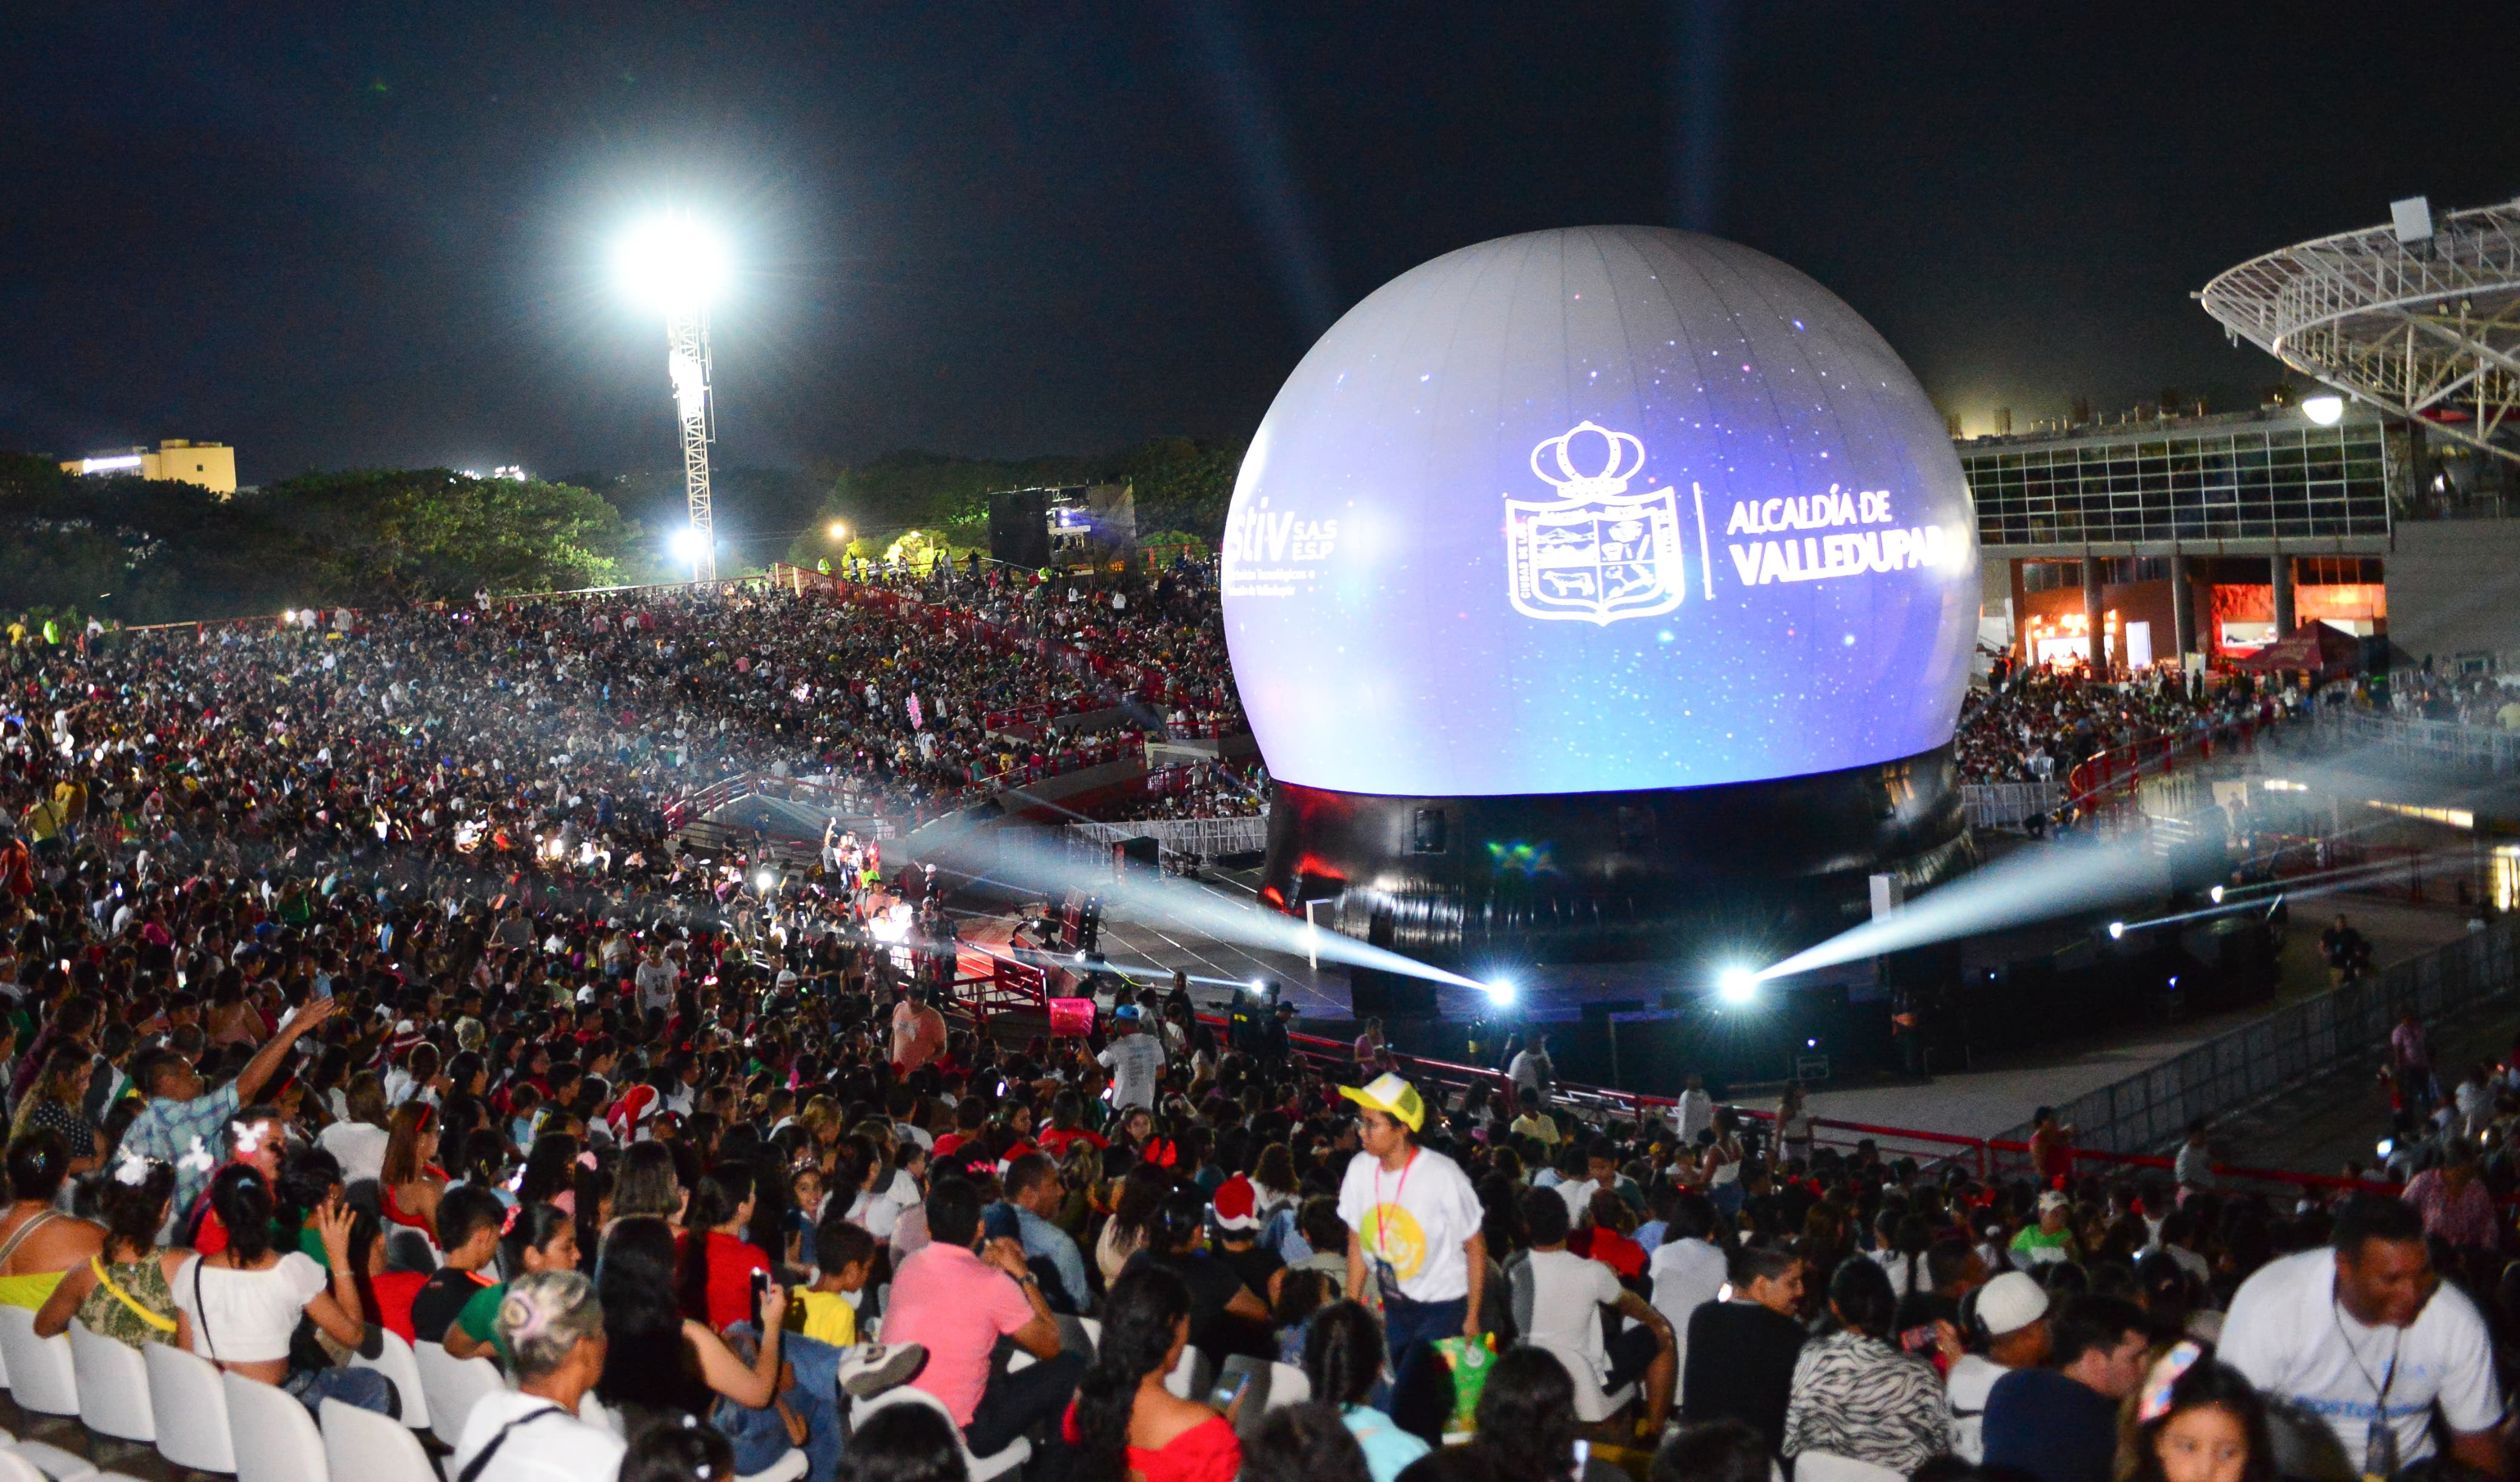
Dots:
pixel 200 1418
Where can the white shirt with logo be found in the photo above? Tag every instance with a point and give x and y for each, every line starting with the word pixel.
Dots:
pixel 1134 1060
pixel 1414 1221
pixel 2290 1338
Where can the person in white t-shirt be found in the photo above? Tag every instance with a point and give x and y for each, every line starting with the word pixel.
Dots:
pixel 1688 1269
pixel 552 1324
pixel 1415 1227
pixel 1694 1112
pixel 2008 1328
pixel 2364 1338
pixel 1134 1058
pixel 1557 1301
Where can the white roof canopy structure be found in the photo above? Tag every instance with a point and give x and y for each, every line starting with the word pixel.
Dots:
pixel 2421 317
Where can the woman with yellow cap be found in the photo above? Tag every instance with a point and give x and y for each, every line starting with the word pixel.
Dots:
pixel 1413 1231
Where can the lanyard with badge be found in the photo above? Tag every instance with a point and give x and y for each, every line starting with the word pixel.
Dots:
pixel 2379 1439
pixel 1384 1277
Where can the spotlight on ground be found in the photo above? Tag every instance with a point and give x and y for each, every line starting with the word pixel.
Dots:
pixel 1736 985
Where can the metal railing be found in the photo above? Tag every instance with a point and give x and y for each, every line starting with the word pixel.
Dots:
pixel 2289 1047
pixel 2009 805
pixel 1200 837
pixel 2440 742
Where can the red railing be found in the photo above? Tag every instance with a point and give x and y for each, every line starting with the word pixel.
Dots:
pixel 2106 779
pixel 1987 1157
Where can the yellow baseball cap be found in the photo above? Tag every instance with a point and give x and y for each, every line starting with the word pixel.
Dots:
pixel 1388 1092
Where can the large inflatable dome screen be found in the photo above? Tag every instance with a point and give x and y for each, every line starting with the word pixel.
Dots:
pixel 1597 510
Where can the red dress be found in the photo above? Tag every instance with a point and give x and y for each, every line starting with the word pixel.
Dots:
pixel 1208 1452
pixel 395 1291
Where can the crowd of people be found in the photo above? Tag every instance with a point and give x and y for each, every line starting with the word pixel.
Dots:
pixel 2040 723
pixel 350 984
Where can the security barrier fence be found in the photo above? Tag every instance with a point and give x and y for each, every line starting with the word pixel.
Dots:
pixel 2291 1046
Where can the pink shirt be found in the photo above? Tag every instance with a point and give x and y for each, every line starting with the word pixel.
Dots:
pixel 957 1306
pixel 2464 1217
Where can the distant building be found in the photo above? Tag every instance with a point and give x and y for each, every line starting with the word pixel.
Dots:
pixel 212 465
pixel 2197 535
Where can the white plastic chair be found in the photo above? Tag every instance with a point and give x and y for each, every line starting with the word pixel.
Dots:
pixel 41 1378
pixel 1288 1385
pixel 52 1462
pixel 977 1468
pixel 276 1439
pixel 1829 1466
pixel 360 1443
pixel 454 1386
pixel 1592 1406
pixel 395 1362
pixel 1190 1376
pixel 113 1386
pixel 190 1408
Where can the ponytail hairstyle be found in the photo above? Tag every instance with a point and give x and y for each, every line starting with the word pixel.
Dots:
pixel 38 1161
pixel 530 1226
pixel 1915 1238
pixel 1140 1324
pixel 241 1197
pixel 1343 1354
pixel 714 1201
pixel 134 1212
pixel 551 1167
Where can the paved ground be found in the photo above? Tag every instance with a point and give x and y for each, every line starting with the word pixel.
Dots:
pixel 1996 1097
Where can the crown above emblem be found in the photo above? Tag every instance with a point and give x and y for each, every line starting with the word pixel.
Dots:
pixel 1616 465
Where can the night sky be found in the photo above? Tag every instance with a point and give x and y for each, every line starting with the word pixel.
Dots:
pixel 377 235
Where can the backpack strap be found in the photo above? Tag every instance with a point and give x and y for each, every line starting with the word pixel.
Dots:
pixel 472 1471
pixel 35 1222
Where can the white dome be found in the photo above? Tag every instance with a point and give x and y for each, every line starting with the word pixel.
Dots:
pixel 1597 510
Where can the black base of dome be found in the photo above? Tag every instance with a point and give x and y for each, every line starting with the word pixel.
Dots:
pixel 1592 877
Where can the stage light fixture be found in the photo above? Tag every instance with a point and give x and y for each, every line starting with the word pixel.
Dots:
pixel 2324 411
pixel 687 544
pixel 675 266
pixel 1500 991
pixel 2216 894
pixel 2117 930
pixel 1736 985
pixel 672 260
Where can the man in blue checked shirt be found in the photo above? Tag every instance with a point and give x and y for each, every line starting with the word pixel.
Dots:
pixel 184 1121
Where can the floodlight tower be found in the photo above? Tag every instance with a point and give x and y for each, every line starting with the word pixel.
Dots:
pixel 676 265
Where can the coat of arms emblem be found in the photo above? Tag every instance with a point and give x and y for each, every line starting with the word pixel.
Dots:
pixel 1596 553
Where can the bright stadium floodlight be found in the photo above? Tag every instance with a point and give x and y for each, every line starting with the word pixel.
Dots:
pixel 674 265
pixel 2324 410
pixel 688 545
pixel 1736 985
pixel 839 531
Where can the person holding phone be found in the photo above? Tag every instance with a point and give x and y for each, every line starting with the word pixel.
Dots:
pixel 1124 1424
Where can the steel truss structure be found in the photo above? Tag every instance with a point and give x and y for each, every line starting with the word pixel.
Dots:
pixel 687 363
pixel 2428 328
